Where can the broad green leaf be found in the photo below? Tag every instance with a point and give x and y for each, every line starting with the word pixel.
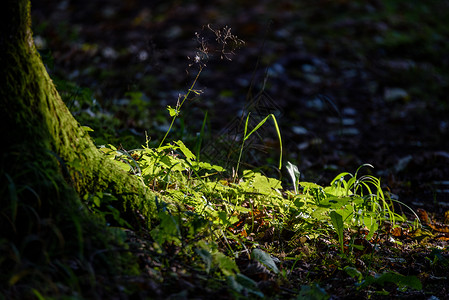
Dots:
pixel 167 231
pixel 172 164
pixel 243 285
pixel 333 202
pixel 320 213
pixel 372 224
pixel 265 259
pixel 207 166
pixel 264 184
pixel 337 222
pixel 310 185
pixel 225 264
pixel 260 183
pixel 96 200
pixel 335 190
pixel 187 153
pixel 346 212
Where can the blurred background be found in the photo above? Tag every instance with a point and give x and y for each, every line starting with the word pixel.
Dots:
pixel 350 82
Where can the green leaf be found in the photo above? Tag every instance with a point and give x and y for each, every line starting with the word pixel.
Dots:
pixel 337 222
pixel 187 153
pixel 261 183
pixel 38 295
pixel 372 225
pixel 226 265
pixel 167 231
pixel 87 128
pixel 265 259
pixel 96 200
pixel 310 185
pixel 335 190
pixel 335 202
pixel 207 166
pixel 243 285
pixel 320 213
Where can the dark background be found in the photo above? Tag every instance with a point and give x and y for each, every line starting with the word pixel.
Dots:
pixel 350 82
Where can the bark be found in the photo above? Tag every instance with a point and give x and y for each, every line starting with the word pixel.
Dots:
pixel 48 161
pixel 39 123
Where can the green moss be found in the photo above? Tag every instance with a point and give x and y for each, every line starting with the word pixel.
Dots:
pixel 47 163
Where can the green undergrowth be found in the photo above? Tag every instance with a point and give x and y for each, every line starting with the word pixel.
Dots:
pixel 215 221
pixel 220 223
pixel 242 229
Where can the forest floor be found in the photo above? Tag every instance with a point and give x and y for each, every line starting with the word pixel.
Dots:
pixel 350 82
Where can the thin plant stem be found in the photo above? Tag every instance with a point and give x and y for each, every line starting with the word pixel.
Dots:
pixel 246 136
pixel 179 105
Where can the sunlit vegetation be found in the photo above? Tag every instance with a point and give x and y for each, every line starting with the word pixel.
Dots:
pixel 213 220
pixel 244 230
pixel 237 231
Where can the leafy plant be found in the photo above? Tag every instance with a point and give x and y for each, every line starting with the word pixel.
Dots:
pixel 209 220
pixel 337 222
pixel 174 112
pixel 265 259
pixel 213 218
pixel 102 204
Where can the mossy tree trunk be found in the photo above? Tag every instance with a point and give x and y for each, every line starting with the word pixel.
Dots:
pixel 48 161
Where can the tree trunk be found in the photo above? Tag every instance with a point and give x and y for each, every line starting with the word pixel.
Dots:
pixel 48 161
